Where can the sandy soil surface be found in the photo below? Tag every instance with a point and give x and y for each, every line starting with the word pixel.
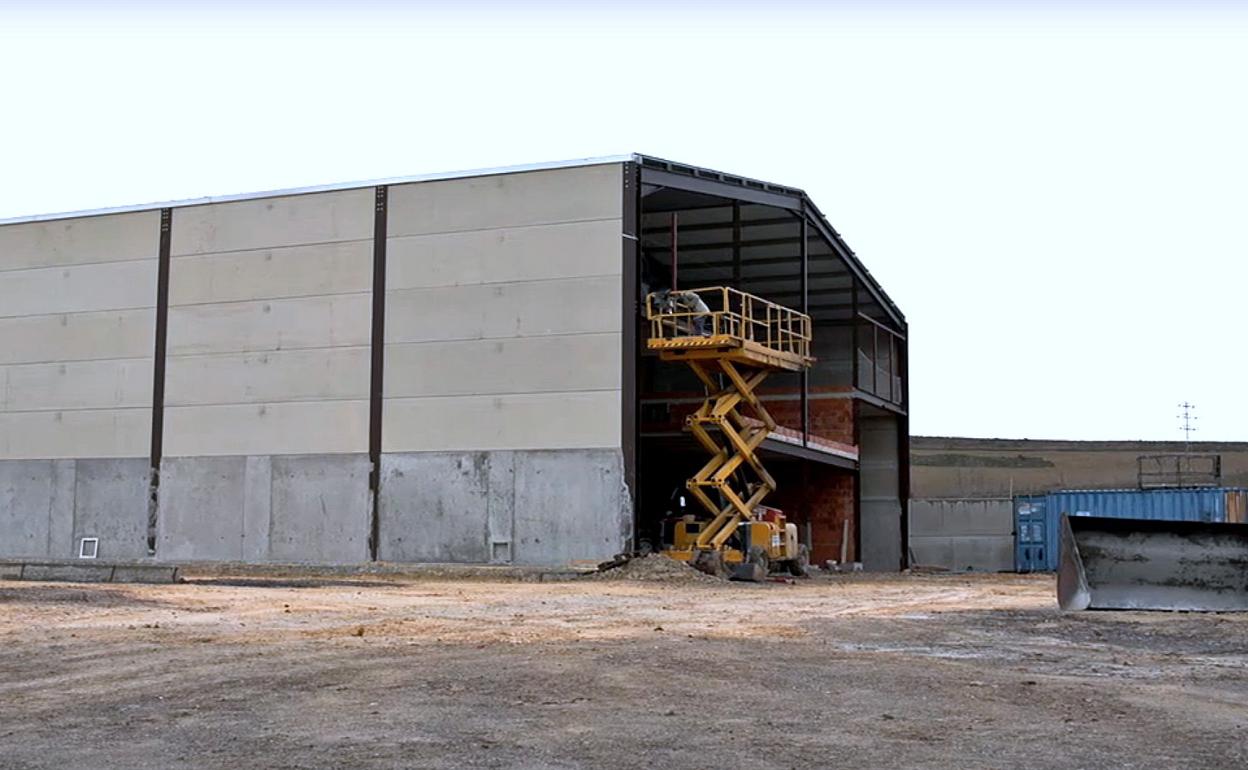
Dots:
pixel 850 671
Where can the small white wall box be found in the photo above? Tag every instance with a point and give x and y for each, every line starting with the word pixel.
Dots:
pixel 88 547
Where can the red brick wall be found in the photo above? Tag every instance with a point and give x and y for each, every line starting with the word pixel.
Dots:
pixel 830 505
pixel 830 418
pixel 825 499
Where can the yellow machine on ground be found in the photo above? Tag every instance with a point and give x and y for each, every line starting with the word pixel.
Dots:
pixel 732 341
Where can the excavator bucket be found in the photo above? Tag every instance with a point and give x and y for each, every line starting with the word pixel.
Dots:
pixel 1148 564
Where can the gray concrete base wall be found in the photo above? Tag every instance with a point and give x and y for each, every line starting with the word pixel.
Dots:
pixel 293 509
pixel 880 494
pixel 547 507
pixel 48 506
pixel 542 508
pixel 965 553
pixel 963 534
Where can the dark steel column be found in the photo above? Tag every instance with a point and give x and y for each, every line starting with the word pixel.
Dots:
pixel 805 376
pixel 675 255
pixel 158 377
pixel 377 375
pixel 892 364
pixel 736 244
pixel 857 412
pixel 875 360
pixel 630 350
pixel 903 445
pixel 854 324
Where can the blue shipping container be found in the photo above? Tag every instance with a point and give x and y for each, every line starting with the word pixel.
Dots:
pixel 1031 534
pixel 1036 517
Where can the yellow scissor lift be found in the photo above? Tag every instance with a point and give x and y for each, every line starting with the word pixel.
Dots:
pixel 732 341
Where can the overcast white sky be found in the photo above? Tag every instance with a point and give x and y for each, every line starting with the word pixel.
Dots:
pixel 1056 194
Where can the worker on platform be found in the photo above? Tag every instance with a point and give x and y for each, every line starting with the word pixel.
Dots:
pixel 690 302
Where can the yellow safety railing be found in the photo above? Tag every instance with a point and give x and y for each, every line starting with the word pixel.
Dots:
pixel 730 313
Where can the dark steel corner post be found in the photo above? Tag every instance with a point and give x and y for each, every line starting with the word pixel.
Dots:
pixel 805 283
pixel 377 343
pixel 158 376
pixel 856 407
pixel 630 351
pixel 903 443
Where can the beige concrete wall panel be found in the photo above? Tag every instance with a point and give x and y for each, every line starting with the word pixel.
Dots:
pixel 78 288
pixel 576 306
pixel 503 255
pixel 308 322
pixel 77 385
pixel 530 421
pixel 262 223
pixel 77 327
pixel 506 200
pixel 269 325
pixel 315 427
pixel 102 433
pixel 77 336
pixel 79 241
pixel 288 375
pixel 521 365
pixel 297 271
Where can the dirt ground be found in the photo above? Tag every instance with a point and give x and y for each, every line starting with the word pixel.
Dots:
pixel 850 671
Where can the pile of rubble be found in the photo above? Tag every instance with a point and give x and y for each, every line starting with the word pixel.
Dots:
pixel 655 568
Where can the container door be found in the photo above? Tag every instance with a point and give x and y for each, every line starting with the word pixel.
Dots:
pixel 1031 541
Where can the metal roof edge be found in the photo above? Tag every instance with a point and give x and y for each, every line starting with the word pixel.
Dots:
pixel 683 168
pixel 801 197
pixel 700 172
pixel 871 281
pixel 332 187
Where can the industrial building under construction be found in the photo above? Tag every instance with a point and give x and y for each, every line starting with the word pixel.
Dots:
pixel 451 368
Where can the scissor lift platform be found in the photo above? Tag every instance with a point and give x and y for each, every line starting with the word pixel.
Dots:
pixel 732 341
pixel 734 325
pixel 727 347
